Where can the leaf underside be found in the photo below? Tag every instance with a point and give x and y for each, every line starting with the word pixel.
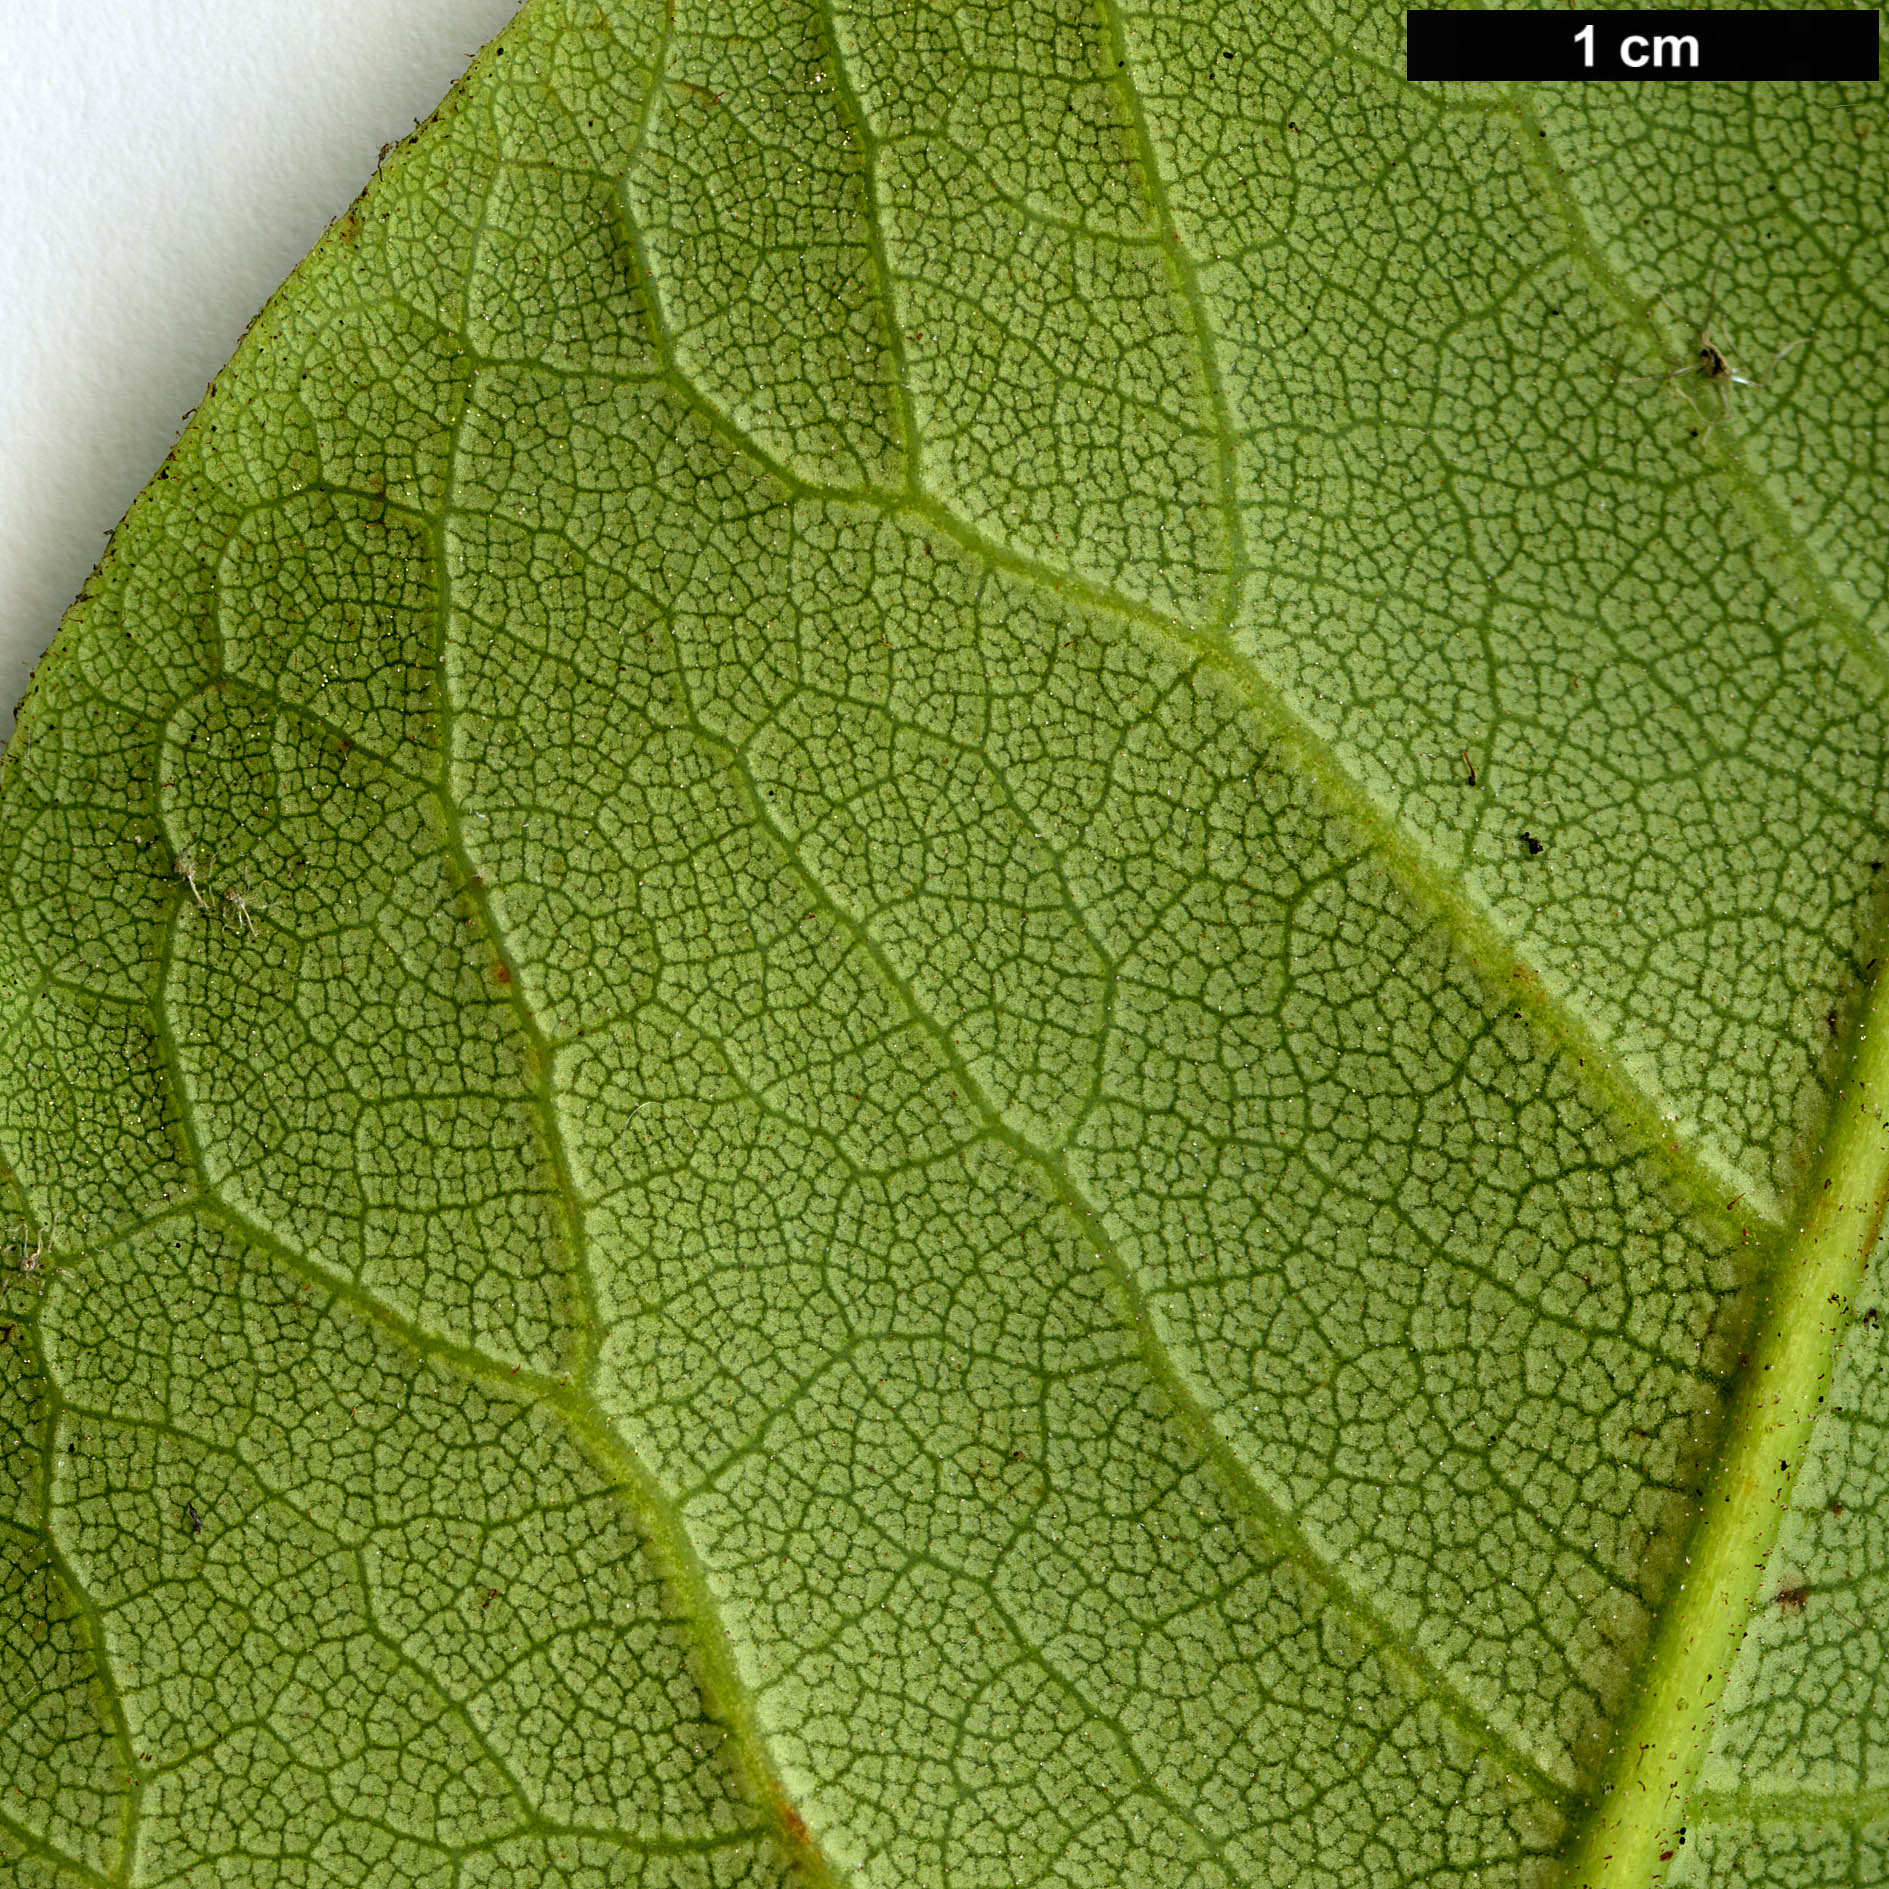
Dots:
pixel 923 970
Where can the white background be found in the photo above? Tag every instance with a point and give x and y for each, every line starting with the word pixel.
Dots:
pixel 163 165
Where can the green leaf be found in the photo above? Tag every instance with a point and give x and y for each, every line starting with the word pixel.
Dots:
pixel 947 960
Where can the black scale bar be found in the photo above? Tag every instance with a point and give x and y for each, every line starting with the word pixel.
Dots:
pixel 1676 43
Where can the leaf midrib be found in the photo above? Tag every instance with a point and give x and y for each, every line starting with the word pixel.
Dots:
pixel 1439 891
pixel 1660 1744
pixel 1663 1739
pixel 1427 880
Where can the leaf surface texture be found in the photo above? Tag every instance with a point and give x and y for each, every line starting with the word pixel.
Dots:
pixel 924 972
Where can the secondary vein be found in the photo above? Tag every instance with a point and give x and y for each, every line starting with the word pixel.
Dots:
pixel 674 1550
pixel 1274 1529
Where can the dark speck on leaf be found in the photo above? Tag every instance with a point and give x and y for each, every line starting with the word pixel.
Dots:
pixel 196 1520
pixel 1791 1600
pixel 1873 1318
pixel 1531 845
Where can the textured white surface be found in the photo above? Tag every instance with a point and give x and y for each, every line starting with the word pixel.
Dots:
pixel 163 164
